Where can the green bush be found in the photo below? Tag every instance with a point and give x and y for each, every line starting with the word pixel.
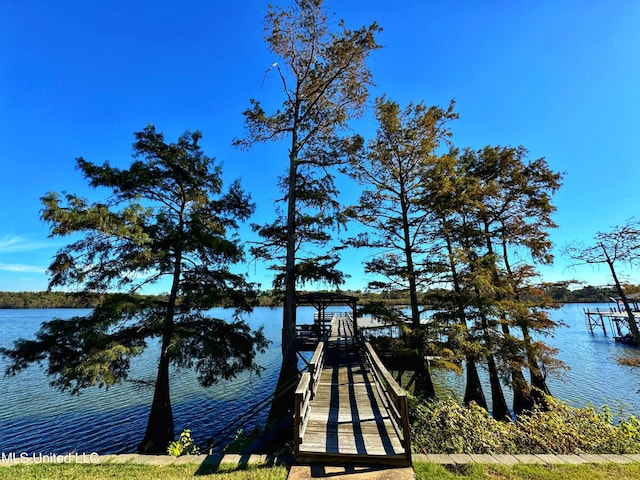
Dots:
pixel 444 426
pixel 183 446
pixel 242 440
pixel 565 429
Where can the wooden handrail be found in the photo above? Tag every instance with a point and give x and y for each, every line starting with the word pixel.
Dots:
pixel 396 397
pixel 354 323
pixel 305 392
pixel 302 399
pixel 316 365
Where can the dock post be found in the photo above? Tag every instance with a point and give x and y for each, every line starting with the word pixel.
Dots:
pixel 602 323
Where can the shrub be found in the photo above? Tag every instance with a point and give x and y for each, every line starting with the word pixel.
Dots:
pixel 183 446
pixel 444 426
pixel 565 430
pixel 242 440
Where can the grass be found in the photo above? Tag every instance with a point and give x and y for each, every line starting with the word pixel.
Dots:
pixel 424 471
pixel 605 471
pixel 113 471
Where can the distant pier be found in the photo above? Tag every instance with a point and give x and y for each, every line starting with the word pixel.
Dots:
pixel 616 318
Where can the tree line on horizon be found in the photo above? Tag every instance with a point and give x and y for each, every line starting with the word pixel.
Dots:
pixel 454 229
pixel 267 298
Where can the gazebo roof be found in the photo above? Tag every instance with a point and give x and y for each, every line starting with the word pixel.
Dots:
pixel 324 299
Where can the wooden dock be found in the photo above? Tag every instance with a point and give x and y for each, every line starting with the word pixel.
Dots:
pixel 618 322
pixel 348 407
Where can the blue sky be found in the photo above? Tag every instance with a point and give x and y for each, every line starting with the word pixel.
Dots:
pixel 77 78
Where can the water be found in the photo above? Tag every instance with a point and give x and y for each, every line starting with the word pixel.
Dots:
pixel 593 375
pixel 34 417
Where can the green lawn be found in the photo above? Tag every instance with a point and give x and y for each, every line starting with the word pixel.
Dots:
pixel 113 471
pixel 607 471
pixel 424 471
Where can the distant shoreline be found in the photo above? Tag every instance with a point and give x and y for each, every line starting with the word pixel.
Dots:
pixel 559 295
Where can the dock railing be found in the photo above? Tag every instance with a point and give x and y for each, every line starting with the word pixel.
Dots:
pixel 395 396
pixel 316 364
pixel 305 392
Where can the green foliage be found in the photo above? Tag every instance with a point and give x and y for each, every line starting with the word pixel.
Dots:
pixel 80 352
pixel 586 294
pixel 242 440
pixel 324 78
pixel 48 300
pixel 185 445
pixel 565 429
pixel 391 170
pixel 444 426
pixel 286 449
pixel 166 219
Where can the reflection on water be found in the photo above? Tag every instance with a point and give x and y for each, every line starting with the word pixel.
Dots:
pixel 36 418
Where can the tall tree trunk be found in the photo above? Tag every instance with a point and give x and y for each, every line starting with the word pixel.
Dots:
pixel 413 298
pixel 538 383
pixel 633 326
pixel 539 388
pixel 280 419
pixel 500 409
pixel 281 412
pixel 473 389
pixel 424 384
pixel 159 431
pixel 522 398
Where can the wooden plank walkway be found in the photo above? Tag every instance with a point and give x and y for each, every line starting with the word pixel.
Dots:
pixel 348 418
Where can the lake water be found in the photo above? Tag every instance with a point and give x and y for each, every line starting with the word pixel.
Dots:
pixel 593 377
pixel 34 417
